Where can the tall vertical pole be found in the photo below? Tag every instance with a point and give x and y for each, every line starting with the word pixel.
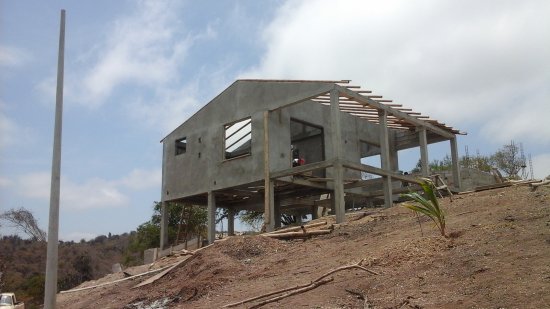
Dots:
pixel 53 227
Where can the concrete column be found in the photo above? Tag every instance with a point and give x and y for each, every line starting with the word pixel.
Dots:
pixel 230 222
pixel 455 163
pixel 277 212
pixel 211 217
pixel 314 212
pixel 338 170
pixel 385 156
pixel 163 225
pixel 394 158
pixel 269 184
pixel 424 152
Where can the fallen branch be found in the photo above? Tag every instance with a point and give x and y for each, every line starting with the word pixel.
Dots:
pixel 303 234
pixel 300 288
pixel 295 228
pixel 311 286
pixel 356 265
pixel 266 295
pixel 538 184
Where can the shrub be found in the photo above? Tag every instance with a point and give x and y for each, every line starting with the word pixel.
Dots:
pixel 427 204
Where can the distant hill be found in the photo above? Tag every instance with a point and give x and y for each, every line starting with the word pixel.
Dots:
pixel 23 263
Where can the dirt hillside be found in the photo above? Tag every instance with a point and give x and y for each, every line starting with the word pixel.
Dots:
pixel 498 256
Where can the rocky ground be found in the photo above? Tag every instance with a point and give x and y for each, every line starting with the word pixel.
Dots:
pixel 497 256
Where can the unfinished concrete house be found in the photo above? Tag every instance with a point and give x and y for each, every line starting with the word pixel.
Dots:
pixel 293 146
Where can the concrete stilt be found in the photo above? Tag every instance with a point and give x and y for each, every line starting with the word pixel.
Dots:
pixel 231 222
pixel 277 212
pixel 455 163
pixel 424 152
pixel 211 217
pixel 338 170
pixel 385 156
pixel 163 225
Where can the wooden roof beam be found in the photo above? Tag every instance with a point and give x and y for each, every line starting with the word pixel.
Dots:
pixel 367 101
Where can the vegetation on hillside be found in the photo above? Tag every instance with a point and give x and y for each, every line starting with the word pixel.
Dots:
pixel 508 160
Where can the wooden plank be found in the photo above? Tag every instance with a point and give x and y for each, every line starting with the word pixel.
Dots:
pixel 378 171
pixel 160 275
pixel 301 169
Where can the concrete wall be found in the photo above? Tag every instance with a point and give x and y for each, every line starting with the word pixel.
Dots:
pixel 203 168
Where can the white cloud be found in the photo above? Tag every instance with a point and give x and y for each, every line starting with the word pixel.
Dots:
pixel 541 165
pixel 486 66
pixel 8 129
pixel 93 193
pixel 142 49
pixel 139 179
pixel 168 109
pixel 12 56
pixel 5 182
pixel 88 194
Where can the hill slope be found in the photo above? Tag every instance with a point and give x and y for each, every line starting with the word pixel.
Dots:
pixel 498 257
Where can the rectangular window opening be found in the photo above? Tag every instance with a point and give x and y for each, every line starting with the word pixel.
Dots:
pixel 181 146
pixel 238 139
pixel 307 144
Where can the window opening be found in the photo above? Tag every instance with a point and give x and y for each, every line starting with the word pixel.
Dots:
pixel 181 146
pixel 238 138
pixel 370 155
pixel 306 144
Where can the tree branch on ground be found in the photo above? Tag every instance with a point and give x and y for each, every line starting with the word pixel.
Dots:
pixel 300 288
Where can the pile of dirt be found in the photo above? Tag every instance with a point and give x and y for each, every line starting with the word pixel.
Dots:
pixel 497 257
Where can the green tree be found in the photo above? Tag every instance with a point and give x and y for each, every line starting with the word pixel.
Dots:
pixel 147 234
pixel 509 160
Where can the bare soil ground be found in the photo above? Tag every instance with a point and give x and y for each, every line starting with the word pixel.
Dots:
pixel 498 256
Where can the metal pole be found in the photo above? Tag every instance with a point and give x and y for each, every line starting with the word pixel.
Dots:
pixel 53 227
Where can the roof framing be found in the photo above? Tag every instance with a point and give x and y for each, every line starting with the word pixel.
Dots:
pixel 363 104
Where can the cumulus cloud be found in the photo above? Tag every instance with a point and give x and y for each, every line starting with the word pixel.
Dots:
pixel 481 66
pixel 142 179
pixel 91 193
pixel 141 49
pixel 12 56
pixel 7 130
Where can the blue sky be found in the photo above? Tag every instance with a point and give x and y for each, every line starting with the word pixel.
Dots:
pixel 134 70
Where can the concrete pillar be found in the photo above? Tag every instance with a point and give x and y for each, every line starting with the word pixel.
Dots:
pixel 338 170
pixel 394 158
pixel 163 225
pixel 314 212
pixel 230 222
pixel 277 212
pixel 211 217
pixel 456 165
pixel 425 169
pixel 385 156
pixel 269 184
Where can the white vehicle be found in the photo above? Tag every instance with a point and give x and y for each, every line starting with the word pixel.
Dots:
pixel 8 301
